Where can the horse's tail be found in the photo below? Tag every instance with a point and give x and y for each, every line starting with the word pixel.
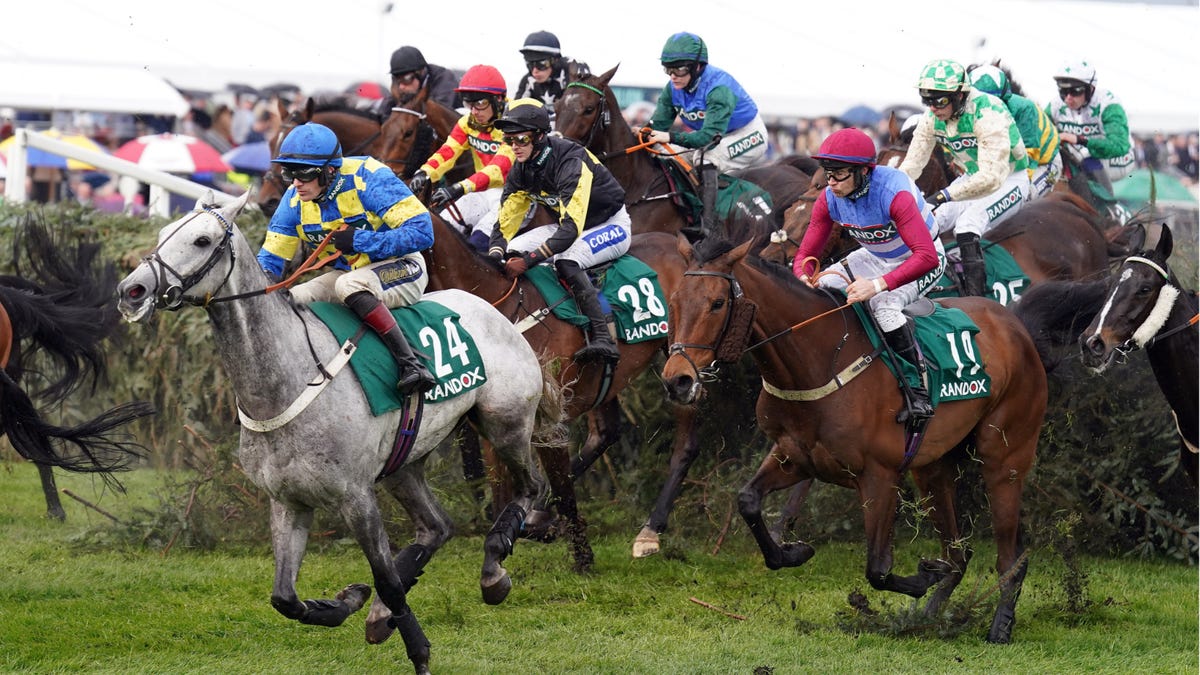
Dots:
pixel 550 427
pixel 1056 312
pixel 98 448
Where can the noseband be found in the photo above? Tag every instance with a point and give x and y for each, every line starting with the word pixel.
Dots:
pixel 730 343
pixel 601 120
pixel 175 293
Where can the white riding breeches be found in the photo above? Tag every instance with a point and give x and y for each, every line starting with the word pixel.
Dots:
pixel 977 216
pixel 887 306
pixel 597 245
pixel 397 282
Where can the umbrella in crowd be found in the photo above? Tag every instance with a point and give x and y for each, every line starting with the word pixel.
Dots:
pixel 3 166
pixel 249 158
pixel 1135 189
pixel 861 116
pixel 38 157
pixel 175 153
pixel 371 90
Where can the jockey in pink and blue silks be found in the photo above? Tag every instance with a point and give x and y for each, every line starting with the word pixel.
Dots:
pixel 900 258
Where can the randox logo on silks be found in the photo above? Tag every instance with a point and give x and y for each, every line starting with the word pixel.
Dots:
pixel 963 143
pixel 1004 204
pixel 745 144
pixel 484 145
pixel 872 234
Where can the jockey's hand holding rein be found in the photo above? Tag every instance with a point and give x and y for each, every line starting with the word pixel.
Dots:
pixel 859 290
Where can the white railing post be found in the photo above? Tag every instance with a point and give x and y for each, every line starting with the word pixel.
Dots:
pixel 14 187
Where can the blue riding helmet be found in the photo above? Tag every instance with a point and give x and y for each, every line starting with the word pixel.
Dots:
pixel 311 144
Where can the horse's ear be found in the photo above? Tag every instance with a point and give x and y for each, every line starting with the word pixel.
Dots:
pixel 309 106
pixel 685 248
pixel 1165 243
pixel 740 252
pixel 206 200
pixel 893 128
pixel 283 111
pixel 1137 239
pixel 607 76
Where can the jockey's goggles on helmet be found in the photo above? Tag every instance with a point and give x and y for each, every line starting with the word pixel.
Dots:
pixel 678 69
pixel 304 174
pixel 935 99
pixel 479 103
pixel 539 64
pixel 406 78
pixel 1071 90
pixel 518 139
pixel 838 172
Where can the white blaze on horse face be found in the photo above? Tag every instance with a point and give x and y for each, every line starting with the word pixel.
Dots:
pixel 1103 317
pixel 894 161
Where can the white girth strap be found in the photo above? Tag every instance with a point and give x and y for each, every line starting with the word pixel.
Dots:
pixel 840 380
pixel 310 393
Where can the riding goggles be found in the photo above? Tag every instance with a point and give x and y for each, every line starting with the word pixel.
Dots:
pixel 936 99
pixel 519 139
pixel 539 64
pixel 304 175
pixel 1077 90
pixel 838 173
pixel 405 78
pixel 678 71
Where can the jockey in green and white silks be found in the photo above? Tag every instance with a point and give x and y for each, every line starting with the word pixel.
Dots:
pixel 709 103
pixel 1097 118
pixel 981 140
pixel 1037 130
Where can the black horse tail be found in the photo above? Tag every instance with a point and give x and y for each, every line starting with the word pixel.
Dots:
pixel 1056 312
pixel 98 446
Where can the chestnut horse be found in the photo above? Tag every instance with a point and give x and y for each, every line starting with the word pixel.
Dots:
pixel 414 130
pixel 845 432
pixel 588 112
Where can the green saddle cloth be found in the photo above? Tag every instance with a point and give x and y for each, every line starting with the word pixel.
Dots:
pixel 1005 277
pixel 435 335
pixel 629 286
pixel 947 339
pixel 733 195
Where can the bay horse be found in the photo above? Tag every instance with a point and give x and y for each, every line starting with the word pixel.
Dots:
pixel 1143 306
pixel 453 263
pixel 331 455
pixel 588 112
pixel 845 431
pixel 413 131
pixel 59 304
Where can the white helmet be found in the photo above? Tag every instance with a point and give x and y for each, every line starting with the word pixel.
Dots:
pixel 1080 71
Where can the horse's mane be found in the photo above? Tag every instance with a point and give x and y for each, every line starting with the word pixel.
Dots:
pixel 713 247
pixel 1056 312
pixel 345 103
pixel 480 256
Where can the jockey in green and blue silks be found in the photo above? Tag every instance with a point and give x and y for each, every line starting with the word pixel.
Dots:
pixel 710 103
pixel 379 229
pixel 1037 130
pixel 981 140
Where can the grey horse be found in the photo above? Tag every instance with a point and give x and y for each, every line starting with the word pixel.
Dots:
pixel 328 455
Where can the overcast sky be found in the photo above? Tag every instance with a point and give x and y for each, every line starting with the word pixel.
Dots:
pixel 825 56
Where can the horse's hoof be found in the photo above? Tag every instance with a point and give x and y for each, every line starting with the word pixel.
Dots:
pixel 795 554
pixel 355 596
pixel 495 592
pixel 646 543
pixel 1002 627
pixel 379 627
pixel 933 571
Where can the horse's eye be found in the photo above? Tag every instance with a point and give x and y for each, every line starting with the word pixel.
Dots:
pixel 202 242
pixel 1145 290
pixel 589 110
pixel 718 304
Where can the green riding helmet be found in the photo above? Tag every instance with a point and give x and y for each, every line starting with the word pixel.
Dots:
pixel 943 75
pixel 684 47
pixel 991 80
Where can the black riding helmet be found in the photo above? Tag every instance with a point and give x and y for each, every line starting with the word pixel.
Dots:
pixel 407 60
pixel 526 114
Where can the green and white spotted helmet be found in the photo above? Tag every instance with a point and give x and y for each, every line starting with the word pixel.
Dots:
pixel 1076 71
pixel 990 79
pixel 943 75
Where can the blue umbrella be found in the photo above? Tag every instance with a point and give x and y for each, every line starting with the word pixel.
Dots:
pixel 861 116
pixel 249 158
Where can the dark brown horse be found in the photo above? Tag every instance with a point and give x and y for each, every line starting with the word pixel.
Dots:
pixel 60 304
pixel 413 131
pixel 844 431
pixel 588 112
pixel 454 264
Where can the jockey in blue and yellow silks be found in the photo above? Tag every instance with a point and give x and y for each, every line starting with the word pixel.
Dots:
pixel 379 228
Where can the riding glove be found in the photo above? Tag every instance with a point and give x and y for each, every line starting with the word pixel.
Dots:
pixel 343 240
pixel 938 198
pixel 445 195
pixel 418 182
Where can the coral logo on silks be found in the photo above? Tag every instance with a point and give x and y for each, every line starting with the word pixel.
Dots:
pixel 604 237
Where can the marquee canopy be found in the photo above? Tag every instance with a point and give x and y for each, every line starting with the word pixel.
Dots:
pixel 115 89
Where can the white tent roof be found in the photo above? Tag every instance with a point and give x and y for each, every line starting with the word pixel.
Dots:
pixel 117 89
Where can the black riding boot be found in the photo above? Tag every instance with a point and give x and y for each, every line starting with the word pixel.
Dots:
pixel 903 342
pixel 600 345
pixel 974 271
pixel 708 198
pixel 414 376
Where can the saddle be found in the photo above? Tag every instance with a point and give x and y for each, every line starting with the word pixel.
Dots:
pixel 629 290
pixel 735 196
pixel 1005 278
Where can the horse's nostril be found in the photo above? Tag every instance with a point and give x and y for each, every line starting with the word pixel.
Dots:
pixel 135 292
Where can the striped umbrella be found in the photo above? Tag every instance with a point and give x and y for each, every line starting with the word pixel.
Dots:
pixel 175 153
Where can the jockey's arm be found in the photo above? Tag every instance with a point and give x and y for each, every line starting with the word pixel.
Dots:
pixel 718 111
pixel 1115 141
pixel 910 224
pixel 992 157
pixel 921 147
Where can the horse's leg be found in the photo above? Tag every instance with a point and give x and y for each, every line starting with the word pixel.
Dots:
pixel 289 536
pixel 771 476
pixel 877 490
pixel 683 453
pixel 938 481
pixel 432 528
pixel 54 507
pixel 556 462
pixel 604 429
pixel 514 452
pixel 361 514
pixel 1005 482
pixel 791 509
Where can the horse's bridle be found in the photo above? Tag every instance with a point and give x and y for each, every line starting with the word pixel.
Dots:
pixel 175 294
pixel 422 145
pixel 724 349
